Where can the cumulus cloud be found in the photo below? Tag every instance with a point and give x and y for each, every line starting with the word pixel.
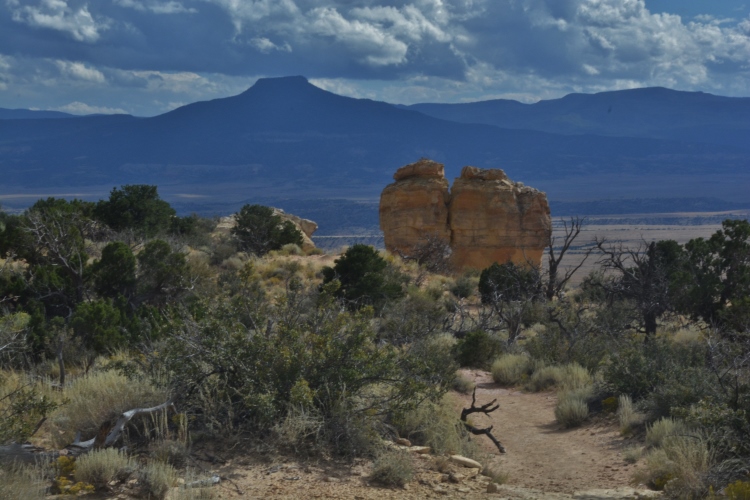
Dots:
pixel 156 7
pixel 58 15
pixel 81 108
pixel 404 51
pixel 265 45
pixel 80 71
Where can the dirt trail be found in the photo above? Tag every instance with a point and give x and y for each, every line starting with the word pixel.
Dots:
pixel 542 460
pixel 542 455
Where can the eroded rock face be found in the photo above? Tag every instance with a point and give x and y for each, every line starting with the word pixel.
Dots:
pixel 486 217
pixel 415 207
pixel 493 219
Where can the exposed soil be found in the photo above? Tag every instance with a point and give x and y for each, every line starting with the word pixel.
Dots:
pixel 542 460
pixel 542 455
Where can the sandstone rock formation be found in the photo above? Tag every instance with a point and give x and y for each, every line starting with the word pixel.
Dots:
pixel 306 227
pixel 494 220
pixel 486 217
pixel 415 207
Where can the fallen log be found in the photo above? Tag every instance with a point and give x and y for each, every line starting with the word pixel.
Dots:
pixel 108 435
pixel 486 409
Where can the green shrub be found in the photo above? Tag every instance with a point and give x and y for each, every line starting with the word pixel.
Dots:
pixel 657 432
pixel 477 349
pixel 259 230
pixel 464 287
pixel 667 375
pixel 364 277
pixel 510 369
pixel 627 416
pixel 509 282
pixel 738 490
pixel 572 407
pixel 156 478
pixel 99 467
pixel 137 207
pixel 392 468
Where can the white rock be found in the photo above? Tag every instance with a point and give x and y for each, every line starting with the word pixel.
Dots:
pixel 465 462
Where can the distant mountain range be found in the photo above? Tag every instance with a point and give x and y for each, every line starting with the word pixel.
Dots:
pixel 648 112
pixel 31 114
pixel 285 138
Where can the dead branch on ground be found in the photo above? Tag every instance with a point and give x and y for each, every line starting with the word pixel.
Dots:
pixel 486 409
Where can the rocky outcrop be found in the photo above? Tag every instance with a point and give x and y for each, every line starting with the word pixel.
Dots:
pixel 415 207
pixel 493 219
pixel 305 226
pixel 485 217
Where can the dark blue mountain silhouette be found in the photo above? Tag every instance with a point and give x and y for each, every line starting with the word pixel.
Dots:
pixel 31 114
pixel 647 112
pixel 288 137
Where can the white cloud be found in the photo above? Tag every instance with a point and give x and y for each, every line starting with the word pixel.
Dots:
pixel 57 15
pixel 80 71
pixel 368 42
pixel 81 108
pixel 266 46
pixel 170 7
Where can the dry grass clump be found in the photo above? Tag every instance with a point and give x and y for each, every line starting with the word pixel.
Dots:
pixel 156 478
pixel 628 417
pixel 25 483
pixel 632 454
pixel 170 451
pixel 572 406
pixel 657 432
pixel 463 384
pixel 496 475
pixel 567 377
pixel 437 425
pixel 393 468
pixel 680 467
pixel 99 467
pixel 300 430
pixel 94 398
pixel 510 369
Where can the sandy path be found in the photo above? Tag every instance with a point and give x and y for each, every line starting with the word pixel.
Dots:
pixel 542 455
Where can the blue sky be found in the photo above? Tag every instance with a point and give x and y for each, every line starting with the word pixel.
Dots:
pixel 148 56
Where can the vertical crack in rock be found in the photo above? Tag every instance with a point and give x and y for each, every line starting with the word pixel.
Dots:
pixel 485 217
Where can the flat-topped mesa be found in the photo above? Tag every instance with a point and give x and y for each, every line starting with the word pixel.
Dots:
pixel 415 207
pixel 486 217
pixel 493 219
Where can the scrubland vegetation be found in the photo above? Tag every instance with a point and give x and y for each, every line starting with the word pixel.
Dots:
pixel 121 305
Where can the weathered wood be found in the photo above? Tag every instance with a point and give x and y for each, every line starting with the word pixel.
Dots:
pixel 126 417
pixel 28 454
pixel 486 409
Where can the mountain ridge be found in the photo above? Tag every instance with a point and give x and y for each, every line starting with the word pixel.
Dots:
pixel 285 137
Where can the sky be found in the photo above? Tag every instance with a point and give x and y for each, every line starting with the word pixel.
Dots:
pixel 146 57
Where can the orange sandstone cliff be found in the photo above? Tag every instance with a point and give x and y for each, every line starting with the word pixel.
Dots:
pixel 415 207
pixel 485 217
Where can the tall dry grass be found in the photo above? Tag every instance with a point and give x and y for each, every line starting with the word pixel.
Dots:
pixel 94 398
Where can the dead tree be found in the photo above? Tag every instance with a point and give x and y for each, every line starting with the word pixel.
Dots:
pixel 432 253
pixel 639 275
pixel 556 282
pixel 486 409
